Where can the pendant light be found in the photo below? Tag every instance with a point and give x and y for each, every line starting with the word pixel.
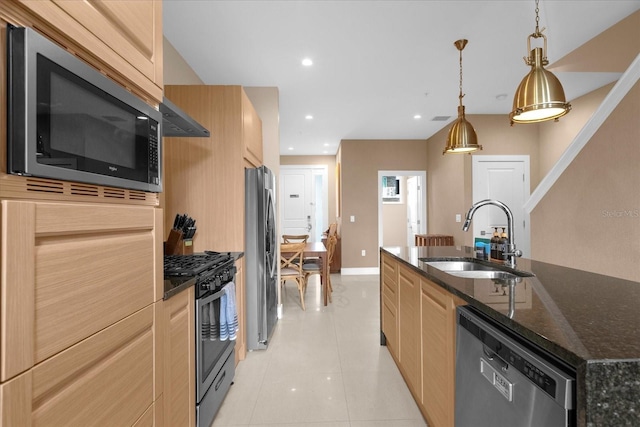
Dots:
pixel 540 95
pixel 462 137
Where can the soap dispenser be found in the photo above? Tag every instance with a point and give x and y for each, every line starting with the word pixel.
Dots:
pixel 495 239
pixel 503 245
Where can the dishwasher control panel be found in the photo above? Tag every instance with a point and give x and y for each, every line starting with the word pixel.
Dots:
pixel 495 347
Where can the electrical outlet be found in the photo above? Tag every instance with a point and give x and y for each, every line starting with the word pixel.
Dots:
pixel 364 253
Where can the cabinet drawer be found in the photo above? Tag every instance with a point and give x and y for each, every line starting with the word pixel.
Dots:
pixel 106 379
pixel 70 271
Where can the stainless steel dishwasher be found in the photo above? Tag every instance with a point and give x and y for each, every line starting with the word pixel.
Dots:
pixel 501 380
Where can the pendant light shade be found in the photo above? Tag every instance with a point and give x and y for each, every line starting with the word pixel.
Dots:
pixel 462 136
pixel 540 95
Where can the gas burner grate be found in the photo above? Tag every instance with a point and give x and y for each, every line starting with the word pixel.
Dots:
pixel 194 264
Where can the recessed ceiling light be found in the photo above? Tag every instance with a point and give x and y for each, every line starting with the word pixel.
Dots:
pixel 307 62
pixel 326 144
pixel 308 117
pixel 290 148
pixel 417 116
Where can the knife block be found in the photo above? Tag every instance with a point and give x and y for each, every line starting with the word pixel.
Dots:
pixel 176 244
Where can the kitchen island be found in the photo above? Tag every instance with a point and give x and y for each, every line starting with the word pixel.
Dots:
pixel 587 320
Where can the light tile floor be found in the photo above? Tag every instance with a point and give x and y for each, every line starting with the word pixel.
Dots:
pixel 324 366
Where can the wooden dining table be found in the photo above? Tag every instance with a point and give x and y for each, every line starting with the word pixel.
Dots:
pixel 317 249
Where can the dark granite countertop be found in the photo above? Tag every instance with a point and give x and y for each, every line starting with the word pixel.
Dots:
pixel 175 285
pixel 590 321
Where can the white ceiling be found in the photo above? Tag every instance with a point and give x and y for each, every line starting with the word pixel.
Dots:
pixel 376 64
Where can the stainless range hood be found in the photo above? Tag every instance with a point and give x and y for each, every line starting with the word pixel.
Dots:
pixel 176 122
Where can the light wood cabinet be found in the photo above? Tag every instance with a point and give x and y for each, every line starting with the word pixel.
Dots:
pixel 409 328
pixel 179 359
pixel 69 271
pixel 204 177
pixel 106 379
pixel 389 303
pixel 123 39
pixel 438 319
pixel 79 284
pixel 251 132
pixel 241 340
pixel 418 319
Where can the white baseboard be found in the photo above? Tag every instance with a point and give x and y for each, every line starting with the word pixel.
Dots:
pixel 359 271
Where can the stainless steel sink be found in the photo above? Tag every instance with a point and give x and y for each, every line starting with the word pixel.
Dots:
pixel 476 270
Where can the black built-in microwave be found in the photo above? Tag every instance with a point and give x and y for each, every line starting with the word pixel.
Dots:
pixel 68 121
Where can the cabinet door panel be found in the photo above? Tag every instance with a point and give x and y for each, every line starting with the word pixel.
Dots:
pixel 409 328
pixel 390 325
pixel 252 131
pixel 121 38
pixel 15 401
pixel 84 285
pixel 17 284
pixel 438 354
pixel 69 271
pixel 179 376
pixel 125 26
pixel 106 379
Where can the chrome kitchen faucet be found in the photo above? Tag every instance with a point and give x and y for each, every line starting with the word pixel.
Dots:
pixel 511 250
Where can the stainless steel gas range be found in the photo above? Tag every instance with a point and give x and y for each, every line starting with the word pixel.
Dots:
pixel 215 332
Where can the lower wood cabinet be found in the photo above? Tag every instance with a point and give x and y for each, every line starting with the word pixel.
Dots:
pixel 409 329
pixel 438 339
pixel 389 303
pixel 418 319
pixel 81 325
pixel 179 405
pixel 107 379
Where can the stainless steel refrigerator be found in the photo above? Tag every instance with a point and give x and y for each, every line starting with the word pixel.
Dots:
pixel 260 256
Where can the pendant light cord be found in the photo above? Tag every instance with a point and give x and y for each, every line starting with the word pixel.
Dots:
pixel 461 95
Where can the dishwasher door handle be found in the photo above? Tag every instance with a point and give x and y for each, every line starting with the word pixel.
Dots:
pixel 501 383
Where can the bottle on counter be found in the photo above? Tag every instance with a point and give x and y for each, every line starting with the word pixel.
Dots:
pixel 503 245
pixel 494 243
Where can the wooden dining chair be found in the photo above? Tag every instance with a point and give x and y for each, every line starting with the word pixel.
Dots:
pixel 291 267
pixel 314 266
pixel 295 238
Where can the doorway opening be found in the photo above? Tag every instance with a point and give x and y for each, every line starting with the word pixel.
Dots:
pixel 402 207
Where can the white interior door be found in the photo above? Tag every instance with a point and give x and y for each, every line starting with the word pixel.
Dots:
pixel 503 178
pixel 297 202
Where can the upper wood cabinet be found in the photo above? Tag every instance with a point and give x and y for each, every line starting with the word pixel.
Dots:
pixel 252 132
pixel 205 176
pixel 121 38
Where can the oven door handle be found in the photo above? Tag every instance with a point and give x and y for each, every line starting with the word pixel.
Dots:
pixel 212 297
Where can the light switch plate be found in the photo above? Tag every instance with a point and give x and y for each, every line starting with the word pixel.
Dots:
pixel 352 218
pixel 458 218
